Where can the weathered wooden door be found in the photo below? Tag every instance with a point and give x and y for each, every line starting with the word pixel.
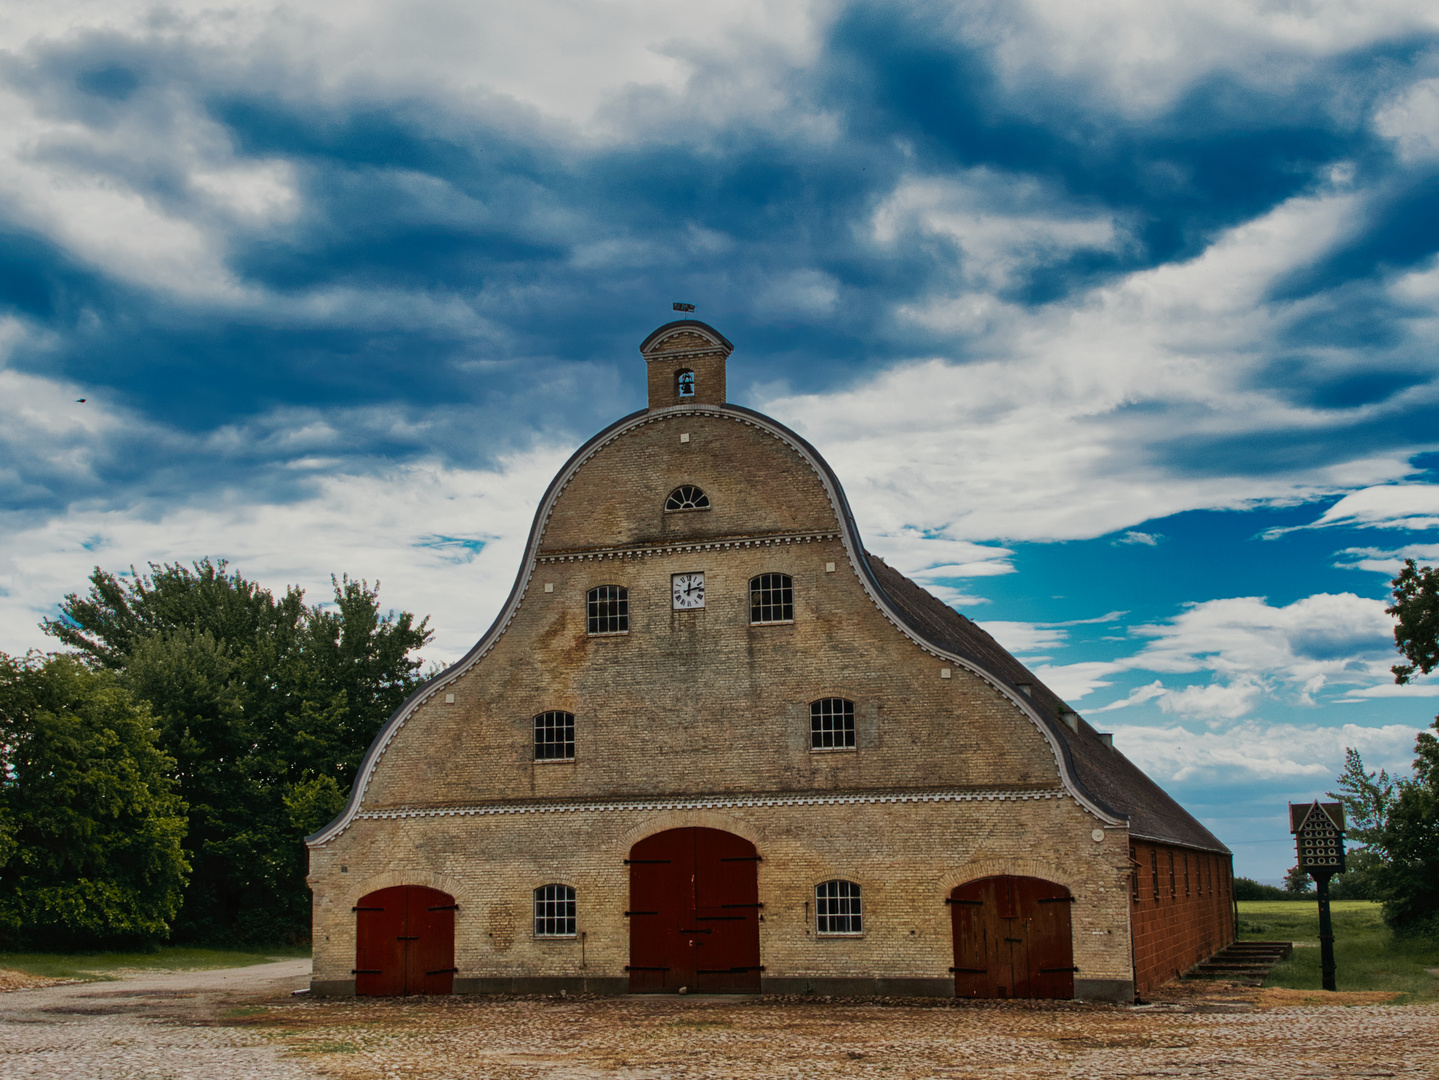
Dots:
pixel 1012 939
pixel 405 942
pixel 694 913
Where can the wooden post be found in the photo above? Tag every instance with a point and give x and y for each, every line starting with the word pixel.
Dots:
pixel 1326 928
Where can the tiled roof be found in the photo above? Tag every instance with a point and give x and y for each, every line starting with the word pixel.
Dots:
pixel 1106 775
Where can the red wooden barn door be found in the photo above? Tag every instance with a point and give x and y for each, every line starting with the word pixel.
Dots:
pixel 405 942
pixel 694 912
pixel 1012 938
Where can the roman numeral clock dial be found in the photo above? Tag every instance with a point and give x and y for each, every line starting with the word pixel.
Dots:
pixel 687 591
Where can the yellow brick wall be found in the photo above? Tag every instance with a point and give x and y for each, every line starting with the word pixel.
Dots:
pixel 906 858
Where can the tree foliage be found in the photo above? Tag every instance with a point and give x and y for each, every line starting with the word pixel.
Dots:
pixel 1397 819
pixel 1297 882
pixel 1411 844
pixel 1249 889
pixel 90 822
pixel 1416 613
pixel 1366 797
pixel 266 704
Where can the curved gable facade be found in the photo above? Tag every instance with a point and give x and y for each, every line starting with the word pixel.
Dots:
pixel 696 645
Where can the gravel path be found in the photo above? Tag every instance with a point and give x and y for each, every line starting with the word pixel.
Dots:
pixel 147 1027
pixel 242 1024
pixel 1219 1033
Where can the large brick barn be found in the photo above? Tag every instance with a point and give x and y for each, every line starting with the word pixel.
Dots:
pixel 711 743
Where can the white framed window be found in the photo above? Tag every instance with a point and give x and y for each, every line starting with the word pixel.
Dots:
pixel 837 908
pixel 687 497
pixel 607 610
pixel 555 736
pixel 771 599
pixel 555 911
pixel 831 724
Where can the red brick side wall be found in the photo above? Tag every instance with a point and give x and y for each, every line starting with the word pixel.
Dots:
pixel 1183 910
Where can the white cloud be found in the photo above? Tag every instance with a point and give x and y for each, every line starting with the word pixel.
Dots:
pixel 1247 751
pixel 1413 689
pixel 1140 56
pixel 1412 120
pixel 1386 506
pixel 562 58
pixel 1025 639
pixel 1056 427
pixel 1251 651
pixel 1387 562
pixel 1257 650
pixel 1075 681
pixel 1000 224
pixel 1217 701
pixel 415 528
pixel 1029 638
pixel 1137 696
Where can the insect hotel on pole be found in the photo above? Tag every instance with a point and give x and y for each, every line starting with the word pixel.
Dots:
pixel 1318 830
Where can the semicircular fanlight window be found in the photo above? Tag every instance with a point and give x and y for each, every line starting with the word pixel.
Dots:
pixel 687 497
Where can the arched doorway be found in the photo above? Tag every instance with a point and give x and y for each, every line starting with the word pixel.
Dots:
pixel 694 913
pixel 405 942
pixel 1012 939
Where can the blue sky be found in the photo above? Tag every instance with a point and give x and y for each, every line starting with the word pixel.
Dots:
pixel 1117 321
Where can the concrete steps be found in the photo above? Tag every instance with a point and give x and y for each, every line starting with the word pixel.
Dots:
pixel 1245 962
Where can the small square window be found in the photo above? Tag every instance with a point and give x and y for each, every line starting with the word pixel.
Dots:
pixel 555 911
pixel 555 736
pixel 608 610
pixel 771 598
pixel 831 724
pixel 837 908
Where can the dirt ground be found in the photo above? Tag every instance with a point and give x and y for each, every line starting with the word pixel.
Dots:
pixel 1189 1031
pixel 245 1025
pixel 145 1026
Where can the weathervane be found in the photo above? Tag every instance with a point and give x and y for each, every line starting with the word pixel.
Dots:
pixel 682 307
pixel 1318 830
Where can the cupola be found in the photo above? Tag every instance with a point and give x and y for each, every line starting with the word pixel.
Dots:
pixel 686 361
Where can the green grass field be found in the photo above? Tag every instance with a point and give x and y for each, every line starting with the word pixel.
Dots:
pixel 98 966
pixel 1366 955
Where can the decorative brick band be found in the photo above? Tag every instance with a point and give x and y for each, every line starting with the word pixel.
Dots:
pixel 698 545
pixel 706 802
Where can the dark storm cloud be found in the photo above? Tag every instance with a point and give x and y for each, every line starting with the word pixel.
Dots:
pixel 452 281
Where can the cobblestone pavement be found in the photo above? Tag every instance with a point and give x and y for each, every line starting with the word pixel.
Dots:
pixel 149 1027
pixel 243 1025
pixel 1220 1032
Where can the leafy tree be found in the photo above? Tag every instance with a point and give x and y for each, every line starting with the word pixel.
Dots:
pixel 267 705
pixel 1416 611
pixel 1367 798
pixel 1410 837
pixel 1360 880
pixel 1249 889
pixel 90 823
pixel 1398 819
pixel 1410 878
pixel 1297 882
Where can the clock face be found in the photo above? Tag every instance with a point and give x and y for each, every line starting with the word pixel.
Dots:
pixel 688 591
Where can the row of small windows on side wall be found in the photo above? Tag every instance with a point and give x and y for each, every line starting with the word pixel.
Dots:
pixel 838 910
pixel 831 727
pixel 771 600
pixel 1202 882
